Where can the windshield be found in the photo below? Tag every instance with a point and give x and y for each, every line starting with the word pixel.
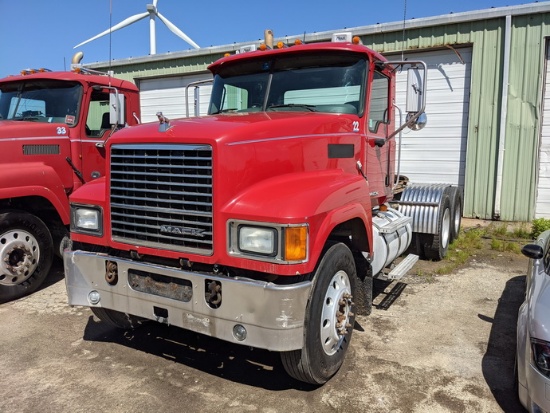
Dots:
pixel 41 101
pixel 331 82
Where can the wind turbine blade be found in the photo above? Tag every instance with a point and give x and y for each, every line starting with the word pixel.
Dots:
pixel 155 3
pixel 123 23
pixel 177 31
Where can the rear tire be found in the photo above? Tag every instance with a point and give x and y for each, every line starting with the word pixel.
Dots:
pixel 26 254
pixel 457 205
pixel 440 242
pixel 329 319
pixel 117 319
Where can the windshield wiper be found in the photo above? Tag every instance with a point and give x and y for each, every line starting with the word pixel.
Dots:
pixel 311 108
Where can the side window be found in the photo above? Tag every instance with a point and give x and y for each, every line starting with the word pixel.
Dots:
pixel 98 115
pixel 235 98
pixel 379 101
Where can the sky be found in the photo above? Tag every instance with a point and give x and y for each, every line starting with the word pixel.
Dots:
pixel 42 33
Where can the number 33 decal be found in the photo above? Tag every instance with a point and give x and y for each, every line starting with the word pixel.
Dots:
pixel 355 126
pixel 61 130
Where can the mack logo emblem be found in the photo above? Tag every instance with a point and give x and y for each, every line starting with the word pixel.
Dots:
pixel 169 229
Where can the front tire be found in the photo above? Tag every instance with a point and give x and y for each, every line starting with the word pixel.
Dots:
pixel 329 319
pixel 26 254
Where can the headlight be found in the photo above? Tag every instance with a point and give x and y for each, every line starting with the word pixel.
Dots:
pixel 86 220
pixel 268 241
pixel 541 355
pixel 258 240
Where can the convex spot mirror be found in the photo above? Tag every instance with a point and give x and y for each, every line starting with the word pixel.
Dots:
pixel 419 122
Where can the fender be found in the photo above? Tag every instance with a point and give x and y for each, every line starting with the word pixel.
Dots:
pixel 522 350
pixel 93 193
pixel 322 199
pixel 34 179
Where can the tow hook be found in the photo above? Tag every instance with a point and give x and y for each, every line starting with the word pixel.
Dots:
pixel 213 293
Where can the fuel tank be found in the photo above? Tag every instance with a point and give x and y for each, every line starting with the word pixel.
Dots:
pixel 392 234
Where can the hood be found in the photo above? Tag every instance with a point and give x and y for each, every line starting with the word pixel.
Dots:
pixel 254 147
pixel 239 127
pixel 26 129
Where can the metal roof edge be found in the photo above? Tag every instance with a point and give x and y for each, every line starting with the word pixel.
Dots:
pixel 451 18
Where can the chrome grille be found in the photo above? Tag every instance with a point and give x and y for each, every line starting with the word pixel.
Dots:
pixel 161 196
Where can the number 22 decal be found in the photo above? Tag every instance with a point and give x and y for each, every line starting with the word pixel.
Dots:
pixel 355 126
pixel 61 130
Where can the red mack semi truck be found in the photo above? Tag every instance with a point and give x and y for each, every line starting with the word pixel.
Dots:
pixel 53 127
pixel 264 222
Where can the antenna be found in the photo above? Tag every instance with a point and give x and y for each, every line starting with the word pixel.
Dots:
pixel 403 38
pixel 110 32
pixel 152 12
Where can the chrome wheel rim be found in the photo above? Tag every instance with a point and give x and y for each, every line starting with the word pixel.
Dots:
pixel 19 256
pixel 336 314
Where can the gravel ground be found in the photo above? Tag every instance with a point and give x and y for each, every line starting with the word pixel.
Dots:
pixel 445 345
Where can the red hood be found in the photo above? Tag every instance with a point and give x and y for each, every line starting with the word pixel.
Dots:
pixel 257 140
pixel 25 129
pixel 234 128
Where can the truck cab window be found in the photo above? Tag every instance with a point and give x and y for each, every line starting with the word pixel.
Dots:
pixel 379 102
pixel 41 101
pixel 98 121
pixel 332 83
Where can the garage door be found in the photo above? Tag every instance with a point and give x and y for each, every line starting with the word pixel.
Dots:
pixel 167 95
pixel 542 209
pixel 437 153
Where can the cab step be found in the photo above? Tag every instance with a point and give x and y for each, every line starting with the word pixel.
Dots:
pixel 400 269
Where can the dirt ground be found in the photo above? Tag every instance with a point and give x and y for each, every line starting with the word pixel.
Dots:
pixel 445 344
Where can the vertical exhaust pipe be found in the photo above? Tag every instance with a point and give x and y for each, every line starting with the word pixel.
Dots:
pixel 268 37
pixel 77 58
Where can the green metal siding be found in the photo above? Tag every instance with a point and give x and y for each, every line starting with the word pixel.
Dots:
pixel 524 116
pixel 161 68
pixel 520 165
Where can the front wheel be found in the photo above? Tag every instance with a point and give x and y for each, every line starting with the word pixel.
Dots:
pixel 26 254
pixel 329 319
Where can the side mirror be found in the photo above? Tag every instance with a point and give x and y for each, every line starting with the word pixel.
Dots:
pixel 416 89
pixel 533 251
pixel 116 109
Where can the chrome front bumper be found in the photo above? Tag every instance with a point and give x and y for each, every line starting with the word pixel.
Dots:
pixel 273 315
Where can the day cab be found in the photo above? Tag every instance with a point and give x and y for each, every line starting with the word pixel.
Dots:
pixel 263 222
pixel 53 127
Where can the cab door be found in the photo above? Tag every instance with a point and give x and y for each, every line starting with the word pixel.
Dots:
pixel 378 163
pixel 97 129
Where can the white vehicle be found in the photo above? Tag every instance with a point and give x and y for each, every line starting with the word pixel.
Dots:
pixel 533 334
